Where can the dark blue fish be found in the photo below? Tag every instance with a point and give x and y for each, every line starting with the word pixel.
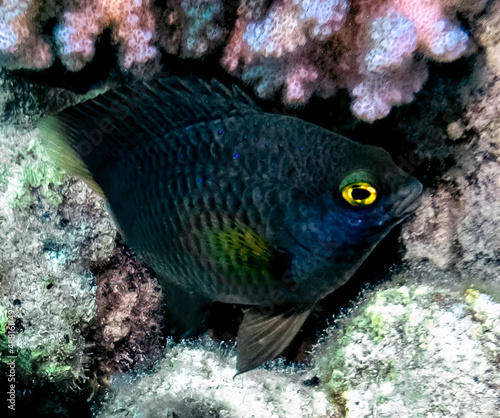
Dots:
pixel 231 204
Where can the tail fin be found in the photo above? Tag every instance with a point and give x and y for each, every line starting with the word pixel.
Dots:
pixel 61 150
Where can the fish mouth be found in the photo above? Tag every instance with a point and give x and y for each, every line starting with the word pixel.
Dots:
pixel 410 202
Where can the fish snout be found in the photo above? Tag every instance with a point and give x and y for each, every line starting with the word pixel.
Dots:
pixel 408 199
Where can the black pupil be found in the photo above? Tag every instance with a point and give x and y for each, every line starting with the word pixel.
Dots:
pixel 360 194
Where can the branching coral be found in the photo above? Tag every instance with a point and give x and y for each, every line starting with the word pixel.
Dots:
pixel 304 47
pixel 368 48
pixel 132 25
pixel 21 44
pixel 279 48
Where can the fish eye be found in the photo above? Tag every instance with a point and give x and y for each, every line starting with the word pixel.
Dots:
pixel 359 194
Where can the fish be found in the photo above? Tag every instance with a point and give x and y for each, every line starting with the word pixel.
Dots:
pixel 228 203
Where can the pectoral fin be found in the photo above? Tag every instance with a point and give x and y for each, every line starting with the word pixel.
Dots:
pixel 262 336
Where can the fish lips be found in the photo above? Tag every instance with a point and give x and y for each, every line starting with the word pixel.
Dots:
pixel 409 201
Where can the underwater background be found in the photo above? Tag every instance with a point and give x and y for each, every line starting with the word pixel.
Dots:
pixel 414 333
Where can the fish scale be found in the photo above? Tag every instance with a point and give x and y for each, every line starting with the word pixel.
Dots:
pixel 228 203
pixel 227 200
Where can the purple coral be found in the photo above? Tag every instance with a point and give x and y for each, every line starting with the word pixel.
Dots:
pixel 299 47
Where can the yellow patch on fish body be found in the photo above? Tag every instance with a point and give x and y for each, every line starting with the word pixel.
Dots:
pixel 237 251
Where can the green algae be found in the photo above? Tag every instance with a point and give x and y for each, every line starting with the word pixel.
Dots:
pixel 31 169
pixel 39 363
pixel 41 175
pixel 407 342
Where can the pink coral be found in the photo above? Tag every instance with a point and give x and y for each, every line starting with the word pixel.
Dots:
pixel 297 47
pixel 131 22
pixel 370 50
pixel 281 43
pixel 439 36
pixel 21 44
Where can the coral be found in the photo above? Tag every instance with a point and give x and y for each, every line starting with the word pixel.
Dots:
pixel 188 28
pixel 279 48
pixel 70 289
pixel 79 303
pixel 193 28
pixel 456 228
pixel 376 49
pixel 406 349
pixel 128 319
pixel 425 344
pixel 21 44
pixel 414 351
pixel 368 48
pixel 56 361
pixel 52 227
pixel 132 25
pixel 197 381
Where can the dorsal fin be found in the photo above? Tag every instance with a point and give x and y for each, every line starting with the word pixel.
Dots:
pixel 102 129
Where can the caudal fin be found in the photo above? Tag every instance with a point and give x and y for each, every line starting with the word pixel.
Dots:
pixel 62 150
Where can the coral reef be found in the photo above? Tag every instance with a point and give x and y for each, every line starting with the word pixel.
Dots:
pixel 376 49
pixel 192 28
pixel 23 44
pixel 371 52
pixel 131 23
pixel 408 348
pixel 425 344
pixel 456 228
pixel 49 224
pixel 128 320
pixel 59 246
pixel 197 381
pixel 414 351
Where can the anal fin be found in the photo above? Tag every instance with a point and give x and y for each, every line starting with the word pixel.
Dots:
pixel 263 336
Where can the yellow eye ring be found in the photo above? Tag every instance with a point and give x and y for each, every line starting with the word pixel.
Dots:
pixel 359 194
